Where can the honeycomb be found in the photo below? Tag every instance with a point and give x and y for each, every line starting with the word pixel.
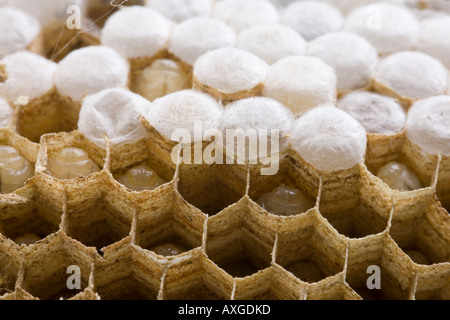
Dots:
pixel 233 248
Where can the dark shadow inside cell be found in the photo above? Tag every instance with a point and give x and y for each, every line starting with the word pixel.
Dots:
pixel 126 288
pixel 97 223
pixel 240 268
pixel 52 115
pixel 28 227
pixel 358 222
pixel 240 257
pixel 210 189
pixel 99 234
pixel 197 291
pixel 54 286
pixel 368 294
pixel 163 234
pixel 306 270
pixel 417 255
pixel 390 286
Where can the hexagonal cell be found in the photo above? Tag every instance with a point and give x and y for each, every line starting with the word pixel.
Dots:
pixel 10 264
pixel 240 239
pixel 333 288
pixel 422 230
pixel 167 225
pixel 287 193
pixel 195 277
pixel 273 283
pixel 46 267
pixel 212 188
pixel 50 114
pixel 144 176
pixel 364 212
pixel 26 218
pixel 127 273
pixel 99 222
pixel 310 248
pixel 396 274
pixel 398 170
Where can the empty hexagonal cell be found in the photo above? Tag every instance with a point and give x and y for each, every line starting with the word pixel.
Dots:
pixel 128 274
pixel 273 283
pixel 421 229
pixel 51 114
pixel 49 266
pixel 362 213
pixel 168 226
pixel 100 221
pixel 212 188
pixel 29 219
pixel 310 248
pixel 10 263
pixel 196 278
pixel 287 193
pixel 377 261
pixel 240 239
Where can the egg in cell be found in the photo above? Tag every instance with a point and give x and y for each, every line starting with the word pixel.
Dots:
pixel 71 163
pixel 397 176
pixel 284 201
pixel 140 178
pixel 15 170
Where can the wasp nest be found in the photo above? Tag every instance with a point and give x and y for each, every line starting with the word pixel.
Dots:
pixel 200 149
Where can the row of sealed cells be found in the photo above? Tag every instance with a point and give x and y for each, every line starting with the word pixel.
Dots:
pixel 54 112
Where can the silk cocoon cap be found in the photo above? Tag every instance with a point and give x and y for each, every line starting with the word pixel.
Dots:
pixel 352 57
pixel 434 38
pixel 241 14
pixel 329 139
pixel 301 83
pixel 258 113
pixel 312 19
pixel 271 42
pixel 29 75
pixel 180 10
pixel 378 114
pixel 413 74
pixel 181 110
pixel 230 70
pixel 6 113
pixel 17 30
pixel 196 36
pixel 115 113
pixel 390 28
pixel 89 70
pixel 136 32
pixel 428 125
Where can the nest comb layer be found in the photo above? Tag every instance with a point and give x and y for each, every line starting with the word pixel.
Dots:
pixel 235 249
